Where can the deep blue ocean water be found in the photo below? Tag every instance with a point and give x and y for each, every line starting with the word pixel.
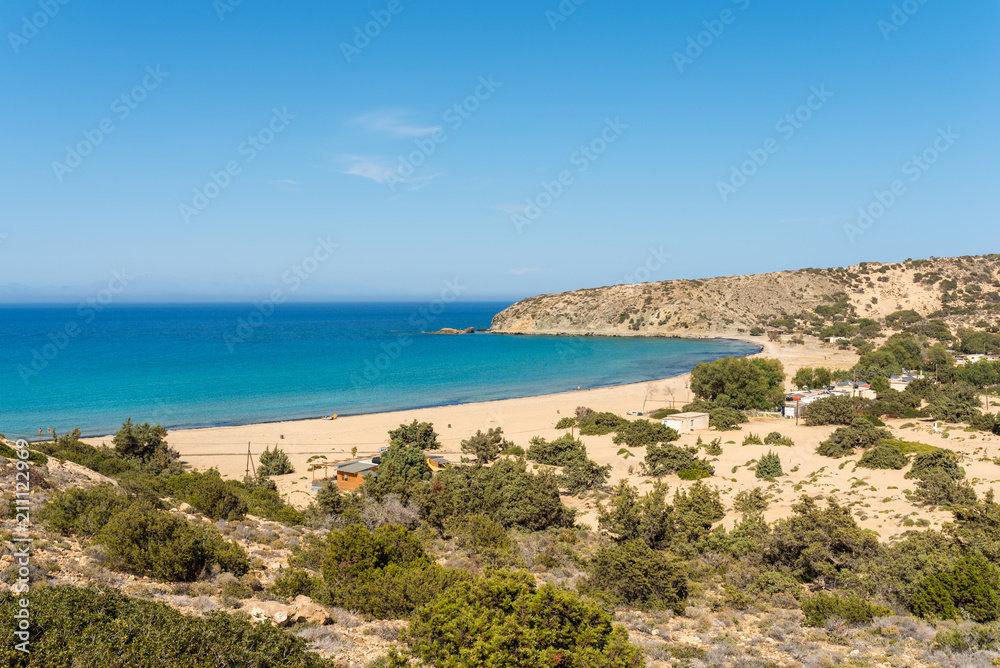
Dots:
pixel 218 364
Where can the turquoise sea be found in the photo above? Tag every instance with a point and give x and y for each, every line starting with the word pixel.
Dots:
pixel 216 364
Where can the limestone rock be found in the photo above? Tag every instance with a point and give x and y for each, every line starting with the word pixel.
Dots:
pixel 307 611
pixel 278 614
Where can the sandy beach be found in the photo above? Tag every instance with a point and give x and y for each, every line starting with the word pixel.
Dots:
pixel 878 496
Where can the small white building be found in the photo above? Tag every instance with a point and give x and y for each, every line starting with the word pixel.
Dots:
pixel 683 423
pixel 899 383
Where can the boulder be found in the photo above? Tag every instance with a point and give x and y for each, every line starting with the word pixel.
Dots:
pixel 278 614
pixel 309 612
pixel 185 508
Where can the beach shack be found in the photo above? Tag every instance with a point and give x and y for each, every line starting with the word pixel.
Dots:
pixel 351 475
pixel 683 423
pixel 437 463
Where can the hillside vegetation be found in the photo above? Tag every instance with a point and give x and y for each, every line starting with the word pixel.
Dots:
pixel 960 291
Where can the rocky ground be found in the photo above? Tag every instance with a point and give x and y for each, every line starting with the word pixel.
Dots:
pixel 708 633
pixel 732 305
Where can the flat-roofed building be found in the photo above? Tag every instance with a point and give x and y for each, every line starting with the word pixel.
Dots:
pixel 683 423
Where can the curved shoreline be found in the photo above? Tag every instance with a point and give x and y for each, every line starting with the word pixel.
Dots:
pixel 223 424
pixel 225 448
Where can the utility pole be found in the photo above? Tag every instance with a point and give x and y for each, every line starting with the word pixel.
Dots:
pixel 250 467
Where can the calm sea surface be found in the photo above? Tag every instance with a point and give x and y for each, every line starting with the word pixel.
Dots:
pixel 219 364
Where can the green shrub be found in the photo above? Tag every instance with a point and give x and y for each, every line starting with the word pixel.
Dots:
pixel 661 413
pixel 274 462
pixel 883 456
pixel 971 588
pixel 384 573
pixel 694 511
pixel 751 501
pixel 683 526
pixel 84 512
pixel 484 538
pixel 628 516
pixel 584 474
pixel 909 447
pixel 599 424
pixel 487 446
pixel 938 488
pixel 666 459
pixel 416 435
pixel 506 491
pixel 36 458
pixel 558 452
pixel 740 382
pixel 294 582
pixel 262 499
pixel 897 319
pixel 944 461
pixel 965 640
pixel 775 438
pixel 693 474
pixel 769 466
pixel 714 447
pixel 400 471
pixel 815 542
pixel 145 444
pixel 566 423
pixel 843 441
pixel 209 494
pixel 165 547
pixel 752 439
pixel 91 627
pixel 634 574
pixel 819 608
pixel 396 591
pixel 640 433
pixel 504 619
pixel 956 403
pixel 833 410
pixel 104 460
pixel 726 419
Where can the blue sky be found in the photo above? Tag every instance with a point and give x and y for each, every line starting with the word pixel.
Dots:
pixel 510 148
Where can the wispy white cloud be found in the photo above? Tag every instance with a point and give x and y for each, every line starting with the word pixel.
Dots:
pixel 392 122
pixel 384 171
pixel 376 169
pixel 288 184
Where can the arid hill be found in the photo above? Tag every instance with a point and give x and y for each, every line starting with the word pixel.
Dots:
pixel 961 291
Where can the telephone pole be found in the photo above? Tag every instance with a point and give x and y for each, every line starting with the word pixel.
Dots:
pixel 250 467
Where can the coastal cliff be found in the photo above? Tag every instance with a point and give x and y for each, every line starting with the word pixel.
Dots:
pixel 961 291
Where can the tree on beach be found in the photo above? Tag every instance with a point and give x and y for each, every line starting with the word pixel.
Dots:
pixel 486 446
pixel 274 462
pixel 144 442
pixel 399 470
pixel 740 382
pixel 812 378
pixel 415 434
